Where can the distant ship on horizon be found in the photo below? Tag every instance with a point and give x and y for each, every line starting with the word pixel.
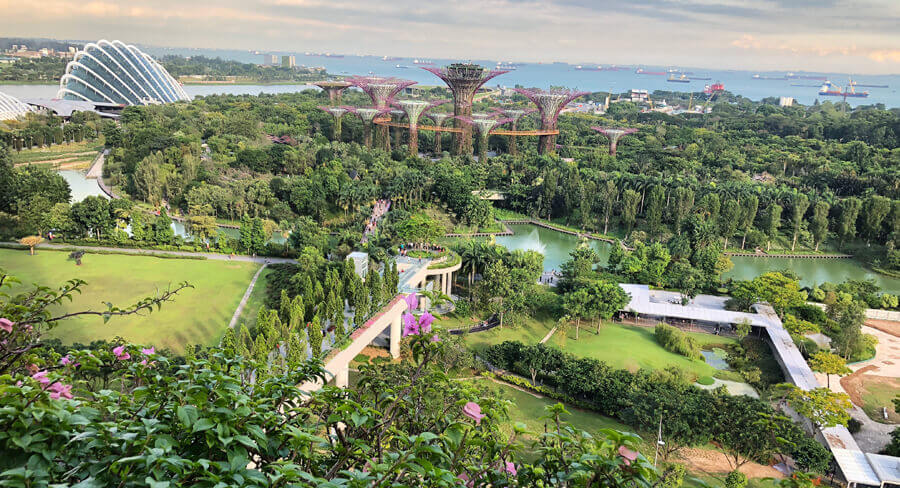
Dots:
pixel 829 89
pixel 681 79
pixel 642 71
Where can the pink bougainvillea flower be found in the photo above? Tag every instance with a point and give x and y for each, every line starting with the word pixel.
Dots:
pixel 148 351
pixel 435 338
pixel 65 361
pixel 425 322
pixel 412 301
pixel 120 353
pixel 464 477
pixel 510 468
pixel 628 456
pixel 6 325
pixel 410 327
pixel 41 377
pixel 143 362
pixel 473 411
pixel 59 390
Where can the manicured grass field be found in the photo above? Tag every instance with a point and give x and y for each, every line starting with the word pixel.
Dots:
pixel 197 316
pixel 878 392
pixel 256 301
pixel 57 151
pixel 619 345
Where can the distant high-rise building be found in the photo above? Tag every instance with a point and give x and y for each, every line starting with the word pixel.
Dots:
pixel 271 60
pixel 786 101
pixel 288 61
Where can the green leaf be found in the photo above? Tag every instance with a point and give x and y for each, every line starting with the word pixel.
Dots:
pixel 203 424
pixel 156 484
pixel 188 415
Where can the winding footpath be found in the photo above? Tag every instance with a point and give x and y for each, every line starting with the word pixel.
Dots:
pixel 240 307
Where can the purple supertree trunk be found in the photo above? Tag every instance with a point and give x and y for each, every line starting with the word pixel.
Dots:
pixel 438 119
pixel 464 80
pixel 614 135
pixel 382 92
pixel 549 104
pixel 483 126
pixel 334 89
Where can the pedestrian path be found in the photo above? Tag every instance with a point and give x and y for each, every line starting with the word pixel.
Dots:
pixel 152 252
pixel 240 307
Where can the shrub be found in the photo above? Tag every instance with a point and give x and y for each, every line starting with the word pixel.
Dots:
pixel 736 479
pixel 674 340
pixel 672 475
pixel 854 425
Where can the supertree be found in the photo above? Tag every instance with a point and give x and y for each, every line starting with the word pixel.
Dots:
pixel 334 89
pixel 367 114
pixel 515 114
pixel 337 113
pixel 549 104
pixel 413 110
pixel 464 79
pixel 397 114
pixel 438 118
pixel 484 126
pixel 614 135
pixel 382 92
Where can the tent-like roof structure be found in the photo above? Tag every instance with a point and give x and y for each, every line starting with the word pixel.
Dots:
pixel 11 108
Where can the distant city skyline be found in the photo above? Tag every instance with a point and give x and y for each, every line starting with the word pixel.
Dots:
pixel 851 36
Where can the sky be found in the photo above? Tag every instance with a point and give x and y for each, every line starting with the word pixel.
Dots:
pixel 852 36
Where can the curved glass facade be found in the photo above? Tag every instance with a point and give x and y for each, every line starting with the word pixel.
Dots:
pixel 11 108
pixel 113 72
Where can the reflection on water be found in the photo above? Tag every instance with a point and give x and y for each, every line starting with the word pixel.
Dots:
pixel 555 246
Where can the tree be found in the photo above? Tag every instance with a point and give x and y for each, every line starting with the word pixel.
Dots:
pixel 823 407
pixel 503 290
pixel 630 201
pixel 576 303
pixel 742 328
pixel 799 204
pixel 874 210
pixel 729 219
pixel 92 215
pixel 829 363
pixel 773 221
pixel 605 299
pixel 656 202
pixel 748 216
pixel 683 203
pixel 163 233
pixel 315 336
pixel 849 212
pixel 609 193
pixel 202 227
pixel 31 241
pixel 819 223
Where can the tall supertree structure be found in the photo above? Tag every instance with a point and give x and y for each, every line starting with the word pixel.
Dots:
pixel 464 79
pixel 397 115
pixel 438 118
pixel 549 104
pixel 614 135
pixel 367 114
pixel 334 89
pixel 382 92
pixel 483 126
pixel 337 113
pixel 515 114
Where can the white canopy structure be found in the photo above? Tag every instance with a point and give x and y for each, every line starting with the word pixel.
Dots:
pixel 11 108
pixel 113 72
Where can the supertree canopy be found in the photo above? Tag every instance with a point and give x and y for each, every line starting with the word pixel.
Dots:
pixel 614 134
pixel 367 114
pixel 464 79
pixel 549 104
pixel 515 114
pixel 438 118
pixel 413 109
pixel 484 126
pixel 334 89
pixel 337 113
pixel 382 92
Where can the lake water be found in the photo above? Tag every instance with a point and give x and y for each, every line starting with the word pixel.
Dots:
pixel 556 246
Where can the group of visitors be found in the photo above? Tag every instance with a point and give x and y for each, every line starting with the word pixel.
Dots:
pixel 405 248
pixel 378 210
pixel 550 278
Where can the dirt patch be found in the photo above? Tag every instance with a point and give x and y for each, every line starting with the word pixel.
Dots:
pixel 715 462
pixel 886 326
pixel 376 352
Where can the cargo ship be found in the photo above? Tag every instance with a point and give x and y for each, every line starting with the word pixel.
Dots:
pixel 588 68
pixel 761 77
pixel 681 79
pixel 642 71
pixel 716 87
pixel 423 62
pixel 829 89
pixel 807 77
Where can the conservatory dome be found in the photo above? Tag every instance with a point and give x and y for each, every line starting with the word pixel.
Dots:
pixel 113 72
pixel 11 108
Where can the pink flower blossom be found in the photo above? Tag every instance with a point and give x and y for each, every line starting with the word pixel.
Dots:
pixel 60 390
pixel 65 361
pixel 412 301
pixel 410 327
pixel 473 411
pixel 510 468
pixel 148 351
pixel 628 456
pixel 6 325
pixel 425 322
pixel 120 353
pixel 464 477
pixel 143 362
pixel 41 377
pixel 435 338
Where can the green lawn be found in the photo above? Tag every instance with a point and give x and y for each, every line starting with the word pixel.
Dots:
pixel 619 345
pixel 198 316
pixel 57 151
pixel 878 392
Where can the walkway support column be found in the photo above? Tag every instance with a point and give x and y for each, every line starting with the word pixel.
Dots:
pixel 342 377
pixel 395 336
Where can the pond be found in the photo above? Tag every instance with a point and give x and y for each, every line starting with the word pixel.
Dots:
pixel 83 187
pixel 556 246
